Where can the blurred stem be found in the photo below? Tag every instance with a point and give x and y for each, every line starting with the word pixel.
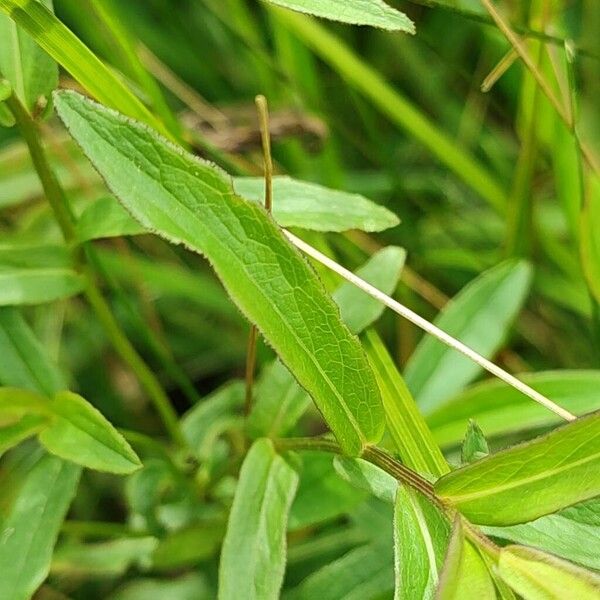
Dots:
pixel 60 207
pixel 263 118
pixel 519 221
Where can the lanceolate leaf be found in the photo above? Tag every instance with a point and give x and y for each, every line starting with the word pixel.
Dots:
pixel 32 73
pixel 37 286
pixel 25 362
pixel 465 574
pixel 190 202
pixel 280 401
pixel 529 480
pixel 106 218
pixel 253 555
pixel 32 525
pixel 312 206
pixel 480 316
pixel 78 432
pixel 420 540
pixel 535 575
pixel 366 476
pixel 13 434
pixel 499 409
pixel 356 12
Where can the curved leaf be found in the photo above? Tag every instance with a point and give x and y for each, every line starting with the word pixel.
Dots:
pixel 78 432
pixel 479 316
pixel 191 202
pixel 37 286
pixel 529 480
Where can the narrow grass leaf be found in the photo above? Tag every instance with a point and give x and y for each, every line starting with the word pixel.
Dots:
pixel 32 524
pixel 31 72
pixel 37 286
pixel 561 534
pixel 590 240
pixel 479 316
pixel 499 409
pixel 421 535
pixel 25 362
pixel 531 479
pixel 312 206
pixel 72 54
pixel 464 574
pixel 254 550
pixel 191 202
pixel 358 309
pixel 410 434
pixel 401 111
pixel 535 575
pixel 79 432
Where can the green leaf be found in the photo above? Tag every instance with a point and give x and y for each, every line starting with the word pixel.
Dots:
pixel 312 206
pixel 37 286
pixel 529 480
pixel 322 494
pixel 32 524
pixel 280 401
pixel 187 547
pixel 535 575
pixel 253 555
pixel 78 432
pixel 358 309
pixel 220 407
pixel 479 316
pixel 475 445
pixel 375 13
pixel 72 54
pixel 106 218
pixel 15 433
pixel 278 404
pixel 500 409
pixel 465 574
pixel 421 537
pixel 36 274
pixel 410 434
pixel 365 573
pixel 16 403
pixel 561 534
pixel 31 72
pixel 366 476
pixel 191 202
pixel 105 559
pixel 25 362
pixel 192 586
pixel 589 239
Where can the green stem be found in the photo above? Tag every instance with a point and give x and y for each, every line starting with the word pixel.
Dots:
pixel 60 207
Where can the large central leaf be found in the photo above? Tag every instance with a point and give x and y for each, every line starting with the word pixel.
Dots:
pixel 190 202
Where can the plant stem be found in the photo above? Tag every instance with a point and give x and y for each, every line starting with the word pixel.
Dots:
pixel 60 207
pixel 263 118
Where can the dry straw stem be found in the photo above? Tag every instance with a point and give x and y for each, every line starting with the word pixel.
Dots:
pixel 520 49
pixel 430 328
